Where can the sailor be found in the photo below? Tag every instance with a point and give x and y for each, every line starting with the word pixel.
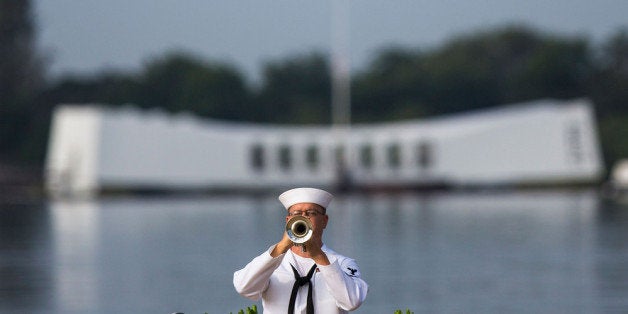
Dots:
pixel 290 279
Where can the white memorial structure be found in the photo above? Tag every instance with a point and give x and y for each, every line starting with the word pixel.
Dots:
pixel 93 148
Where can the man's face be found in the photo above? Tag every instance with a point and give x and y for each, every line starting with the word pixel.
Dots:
pixel 314 212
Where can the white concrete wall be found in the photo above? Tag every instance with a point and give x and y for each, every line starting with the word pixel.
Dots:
pixel 73 150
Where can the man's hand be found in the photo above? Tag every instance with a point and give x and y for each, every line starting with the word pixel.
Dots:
pixel 282 246
pixel 314 248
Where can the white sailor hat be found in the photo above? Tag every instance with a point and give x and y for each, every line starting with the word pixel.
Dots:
pixel 305 195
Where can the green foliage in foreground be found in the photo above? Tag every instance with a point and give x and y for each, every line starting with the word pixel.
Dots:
pixel 407 312
pixel 249 310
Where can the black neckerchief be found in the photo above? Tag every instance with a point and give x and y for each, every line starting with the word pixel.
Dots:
pixel 301 281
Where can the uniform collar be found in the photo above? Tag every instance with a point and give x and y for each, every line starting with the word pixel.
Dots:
pixel 305 263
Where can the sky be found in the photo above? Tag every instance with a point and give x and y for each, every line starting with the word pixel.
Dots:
pixel 88 36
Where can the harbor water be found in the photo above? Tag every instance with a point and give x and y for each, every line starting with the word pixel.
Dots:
pixel 550 251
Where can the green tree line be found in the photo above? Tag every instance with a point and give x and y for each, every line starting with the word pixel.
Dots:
pixel 476 70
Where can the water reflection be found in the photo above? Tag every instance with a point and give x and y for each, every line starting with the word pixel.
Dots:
pixel 482 252
pixel 501 252
pixel 612 257
pixel 25 277
pixel 75 234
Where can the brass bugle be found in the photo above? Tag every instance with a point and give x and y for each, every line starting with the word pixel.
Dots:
pixel 299 230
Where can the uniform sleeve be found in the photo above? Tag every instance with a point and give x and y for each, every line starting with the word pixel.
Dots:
pixel 252 280
pixel 342 277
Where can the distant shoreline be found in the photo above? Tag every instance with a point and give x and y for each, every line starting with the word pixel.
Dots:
pixel 20 184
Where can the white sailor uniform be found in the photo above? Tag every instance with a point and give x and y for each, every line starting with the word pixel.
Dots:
pixel 337 287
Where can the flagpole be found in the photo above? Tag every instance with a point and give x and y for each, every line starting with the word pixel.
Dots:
pixel 341 90
pixel 340 64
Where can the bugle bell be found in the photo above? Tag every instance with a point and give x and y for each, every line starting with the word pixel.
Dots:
pixel 299 230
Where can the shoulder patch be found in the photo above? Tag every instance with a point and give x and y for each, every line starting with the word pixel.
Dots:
pixel 352 271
